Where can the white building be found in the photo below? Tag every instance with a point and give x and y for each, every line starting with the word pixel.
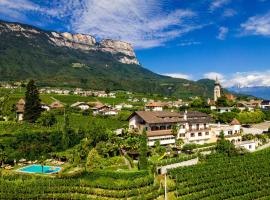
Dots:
pixel 192 127
pixel 228 129
pixel 248 145
pixel 154 106
pixel 265 105
pixel 80 105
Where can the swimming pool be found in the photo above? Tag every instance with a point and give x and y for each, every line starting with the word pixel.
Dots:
pixel 38 169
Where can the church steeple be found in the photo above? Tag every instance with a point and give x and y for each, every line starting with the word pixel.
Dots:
pixel 217 90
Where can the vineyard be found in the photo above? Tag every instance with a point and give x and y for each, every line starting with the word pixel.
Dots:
pixel 103 185
pixel 241 177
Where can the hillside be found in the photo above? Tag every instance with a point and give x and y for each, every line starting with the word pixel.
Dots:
pixel 78 60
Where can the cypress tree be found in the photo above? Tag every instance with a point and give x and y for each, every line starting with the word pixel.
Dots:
pixel 65 133
pixel 143 162
pixel 32 109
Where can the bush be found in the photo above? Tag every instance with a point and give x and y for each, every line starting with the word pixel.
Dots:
pixel 47 119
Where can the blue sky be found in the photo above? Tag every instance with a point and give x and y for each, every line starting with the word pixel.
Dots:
pixel 190 39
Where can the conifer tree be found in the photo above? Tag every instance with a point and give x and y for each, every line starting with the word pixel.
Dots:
pixel 65 132
pixel 143 162
pixel 32 109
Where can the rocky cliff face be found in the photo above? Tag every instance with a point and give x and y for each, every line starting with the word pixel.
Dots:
pixel 122 51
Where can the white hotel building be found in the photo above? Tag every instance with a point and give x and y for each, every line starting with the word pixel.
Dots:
pixel 193 126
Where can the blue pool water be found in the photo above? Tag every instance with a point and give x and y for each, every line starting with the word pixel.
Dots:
pixel 38 169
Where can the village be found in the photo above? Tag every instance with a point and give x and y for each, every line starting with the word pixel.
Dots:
pixel 168 121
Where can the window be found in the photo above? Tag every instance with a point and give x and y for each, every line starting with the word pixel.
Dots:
pixel 250 146
pixel 205 127
pixel 230 132
pixel 198 126
pixel 192 134
pixel 162 127
pixel 182 135
pixel 207 133
pixel 199 134
pixel 190 127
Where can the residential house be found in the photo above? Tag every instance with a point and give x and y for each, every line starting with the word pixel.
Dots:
pixel 123 105
pixel 20 109
pixel 232 131
pixel 192 127
pixel 265 105
pixel 246 105
pixel 222 109
pixel 108 112
pixel 154 106
pixel 80 105
pixel 57 105
pixel 101 109
pixel 248 145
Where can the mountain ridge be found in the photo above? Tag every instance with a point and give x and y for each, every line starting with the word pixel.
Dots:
pixel 30 54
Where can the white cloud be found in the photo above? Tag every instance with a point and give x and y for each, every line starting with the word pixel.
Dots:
pixel 214 76
pixel 143 23
pixel 223 31
pixel 257 25
pixel 179 75
pixel 242 79
pixel 215 4
pixel 229 13
pixel 188 43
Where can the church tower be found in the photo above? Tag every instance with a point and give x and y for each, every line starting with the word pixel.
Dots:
pixel 217 90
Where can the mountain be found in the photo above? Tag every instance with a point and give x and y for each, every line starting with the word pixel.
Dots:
pixel 78 60
pixel 260 92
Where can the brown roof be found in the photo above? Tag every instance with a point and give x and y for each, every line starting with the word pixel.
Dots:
pixel 155 104
pixel 235 122
pixel 20 106
pixel 230 97
pixel 97 104
pixel 56 105
pixel 156 117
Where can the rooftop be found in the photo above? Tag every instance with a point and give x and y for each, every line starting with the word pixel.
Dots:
pixel 156 117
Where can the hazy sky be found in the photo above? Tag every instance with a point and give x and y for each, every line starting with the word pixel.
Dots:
pixel 182 38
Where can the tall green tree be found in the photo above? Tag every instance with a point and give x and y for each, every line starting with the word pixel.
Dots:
pixel 65 132
pixel 143 161
pixel 225 146
pixel 32 109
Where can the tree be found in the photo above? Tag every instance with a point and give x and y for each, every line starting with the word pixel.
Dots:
pixel 179 142
pixel 42 163
pixel 32 109
pixel 225 146
pixel 47 119
pixel 143 162
pixel 198 103
pixel 248 137
pixel 224 102
pixel 3 157
pixel 175 130
pixel 94 160
pixel 65 133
